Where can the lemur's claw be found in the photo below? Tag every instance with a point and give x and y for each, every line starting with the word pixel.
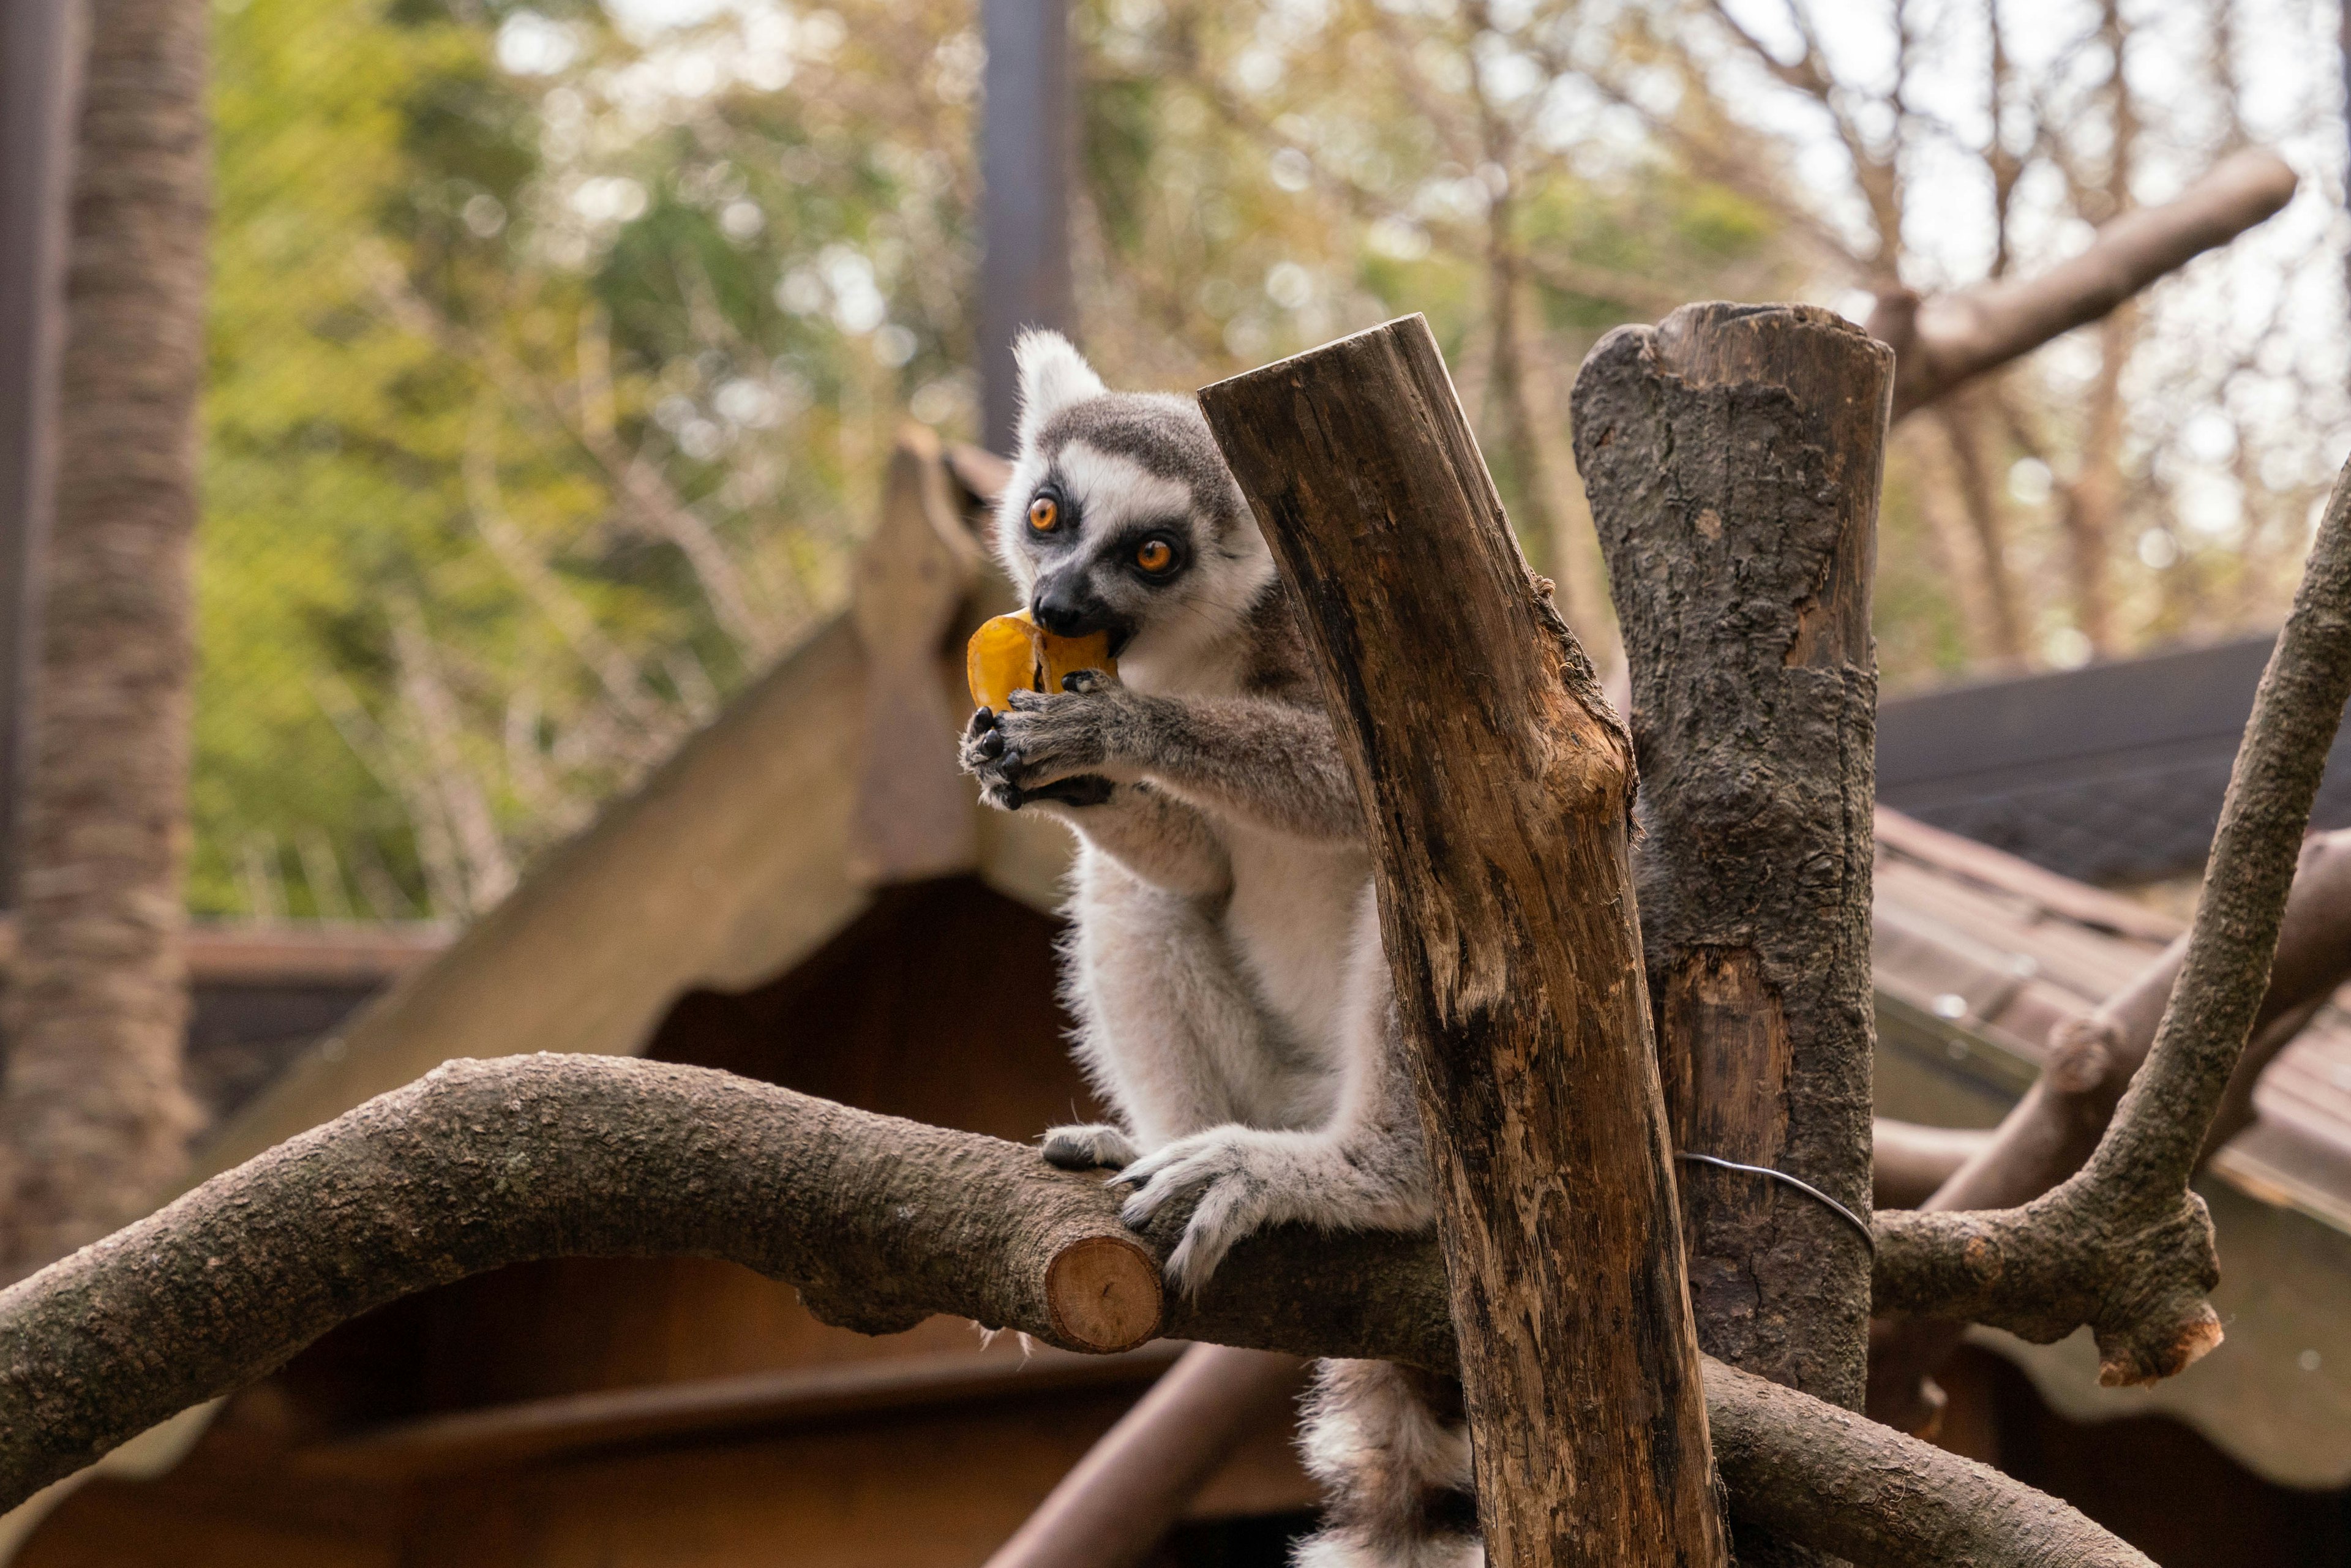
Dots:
pixel 1084 683
pixel 1229 1194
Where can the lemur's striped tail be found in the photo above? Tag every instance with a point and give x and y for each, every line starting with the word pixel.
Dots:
pixel 1391 1447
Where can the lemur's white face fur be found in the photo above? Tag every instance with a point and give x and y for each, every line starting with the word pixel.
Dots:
pixel 1121 517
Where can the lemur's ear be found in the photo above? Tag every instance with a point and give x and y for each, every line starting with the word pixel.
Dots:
pixel 1054 375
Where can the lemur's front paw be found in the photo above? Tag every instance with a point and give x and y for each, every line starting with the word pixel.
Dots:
pixel 1007 781
pixel 1047 745
pixel 1229 1171
pixel 1088 1146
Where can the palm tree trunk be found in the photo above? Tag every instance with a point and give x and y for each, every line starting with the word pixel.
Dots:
pixel 96 1113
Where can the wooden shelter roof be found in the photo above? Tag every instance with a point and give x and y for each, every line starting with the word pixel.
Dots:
pixel 2110 774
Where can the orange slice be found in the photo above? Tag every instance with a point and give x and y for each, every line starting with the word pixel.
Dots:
pixel 1013 653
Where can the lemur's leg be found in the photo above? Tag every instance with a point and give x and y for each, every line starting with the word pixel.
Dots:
pixel 1364 1169
pixel 1274 764
pixel 1168 1031
pixel 1391 1447
pixel 1159 838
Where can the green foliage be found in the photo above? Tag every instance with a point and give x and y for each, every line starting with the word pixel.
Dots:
pixel 554 366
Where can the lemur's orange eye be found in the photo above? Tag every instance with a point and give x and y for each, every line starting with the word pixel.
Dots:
pixel 1044 514
pixel 1155 555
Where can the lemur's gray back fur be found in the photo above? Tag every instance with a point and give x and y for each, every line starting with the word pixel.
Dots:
pixel 1224 960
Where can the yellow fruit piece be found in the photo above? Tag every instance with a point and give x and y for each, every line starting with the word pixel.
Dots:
pixel 1013 653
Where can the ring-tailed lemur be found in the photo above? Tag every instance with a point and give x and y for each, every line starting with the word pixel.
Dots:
pixel 1224 962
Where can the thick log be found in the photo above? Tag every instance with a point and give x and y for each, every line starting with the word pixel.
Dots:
pixel 1944 341
pixel 880 1222
pixel 1732 455
pixel 1497 784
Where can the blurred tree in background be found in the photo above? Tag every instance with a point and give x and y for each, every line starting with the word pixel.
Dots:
pixel 555 351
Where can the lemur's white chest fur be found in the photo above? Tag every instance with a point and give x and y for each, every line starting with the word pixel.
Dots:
pixel 1288 917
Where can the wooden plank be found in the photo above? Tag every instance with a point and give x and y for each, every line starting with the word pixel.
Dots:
pixel 41 46
pixel 508 1434
pixel 1997 869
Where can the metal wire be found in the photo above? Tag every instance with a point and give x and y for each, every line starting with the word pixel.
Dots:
pixel 1868 1237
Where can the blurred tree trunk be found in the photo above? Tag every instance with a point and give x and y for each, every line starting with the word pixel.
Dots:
pixel 96 1113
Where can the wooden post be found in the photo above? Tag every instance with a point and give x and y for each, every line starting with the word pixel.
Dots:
pixel 1025 140
pixel 1496 783
pixel 1733 457
pixel 41 48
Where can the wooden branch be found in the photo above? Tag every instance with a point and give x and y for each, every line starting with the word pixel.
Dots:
pixel 1910 1161
pixel 880 1222
pixel 480 1164
pixel 1732 457
pixel 1497 783
pixel 2053 1131
pixel 1132 1485
pixel 2123 1245
pixel 1840 1483
pixel 1944 341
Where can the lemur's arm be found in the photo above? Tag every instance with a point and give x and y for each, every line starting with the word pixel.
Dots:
pixel 1275 764
pixel 1159 838
pixel 1150 832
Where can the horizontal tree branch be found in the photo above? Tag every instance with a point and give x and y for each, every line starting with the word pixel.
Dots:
pixel 2123 1245
pixel 880 1221
pixel 1942 342
pixel 1839 1482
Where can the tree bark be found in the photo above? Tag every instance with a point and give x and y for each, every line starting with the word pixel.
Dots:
pixel 1497 785
pixel 1733 457
pixel 880 1221
pixel 1944 341
pixel 1883 1502
pixel 96 1113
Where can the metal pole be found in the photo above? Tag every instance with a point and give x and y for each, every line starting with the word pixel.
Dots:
pixel 41 48
pixel 1024 278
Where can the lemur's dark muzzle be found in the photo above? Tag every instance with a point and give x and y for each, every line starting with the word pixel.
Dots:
pixel 1068 608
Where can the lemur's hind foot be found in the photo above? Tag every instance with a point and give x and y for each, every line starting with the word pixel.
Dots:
pixel 1088 1146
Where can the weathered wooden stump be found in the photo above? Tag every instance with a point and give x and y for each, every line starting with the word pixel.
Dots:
pixel 1497 783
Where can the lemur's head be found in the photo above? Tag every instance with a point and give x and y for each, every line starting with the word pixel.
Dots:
pixel 1121 518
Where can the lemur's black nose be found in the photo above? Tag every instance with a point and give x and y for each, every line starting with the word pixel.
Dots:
pixel 1066 610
